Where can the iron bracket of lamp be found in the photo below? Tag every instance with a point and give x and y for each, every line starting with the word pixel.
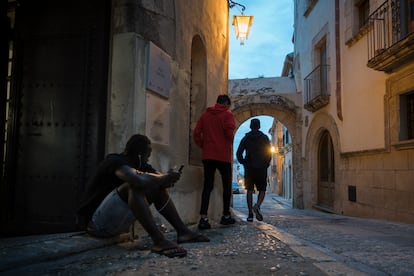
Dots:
pixel 232 4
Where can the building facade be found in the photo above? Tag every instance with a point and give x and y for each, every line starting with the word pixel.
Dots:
pixel 354 65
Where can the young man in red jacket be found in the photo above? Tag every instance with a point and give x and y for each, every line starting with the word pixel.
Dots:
pixel 214 134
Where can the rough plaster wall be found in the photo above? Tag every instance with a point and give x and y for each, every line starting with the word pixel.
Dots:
pixel 214 36
pixel 209 21
pixel 153 20
pixel 363 100
pixel 363 91
pixel 279 85
pixel 126 106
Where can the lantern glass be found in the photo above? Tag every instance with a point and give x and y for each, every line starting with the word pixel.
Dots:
pixel 242 24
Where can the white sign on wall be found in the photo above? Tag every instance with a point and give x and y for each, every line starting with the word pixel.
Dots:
pixel 158 119
pixel 158 70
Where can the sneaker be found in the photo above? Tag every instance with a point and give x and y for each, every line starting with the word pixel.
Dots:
pixel 226 220
pixel 258 213
pixel 250 217
pixel 203 224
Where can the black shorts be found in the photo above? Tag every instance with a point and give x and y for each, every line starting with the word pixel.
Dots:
pixel 255 177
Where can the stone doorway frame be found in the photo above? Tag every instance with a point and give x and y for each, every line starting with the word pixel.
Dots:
pixel 320 123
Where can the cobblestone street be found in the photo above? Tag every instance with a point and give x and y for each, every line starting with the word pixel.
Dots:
pixel 236 250
pixel 287 242
pixel 375 247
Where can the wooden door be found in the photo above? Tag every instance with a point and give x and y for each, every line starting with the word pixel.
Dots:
pixel 56 121
pixel 326 172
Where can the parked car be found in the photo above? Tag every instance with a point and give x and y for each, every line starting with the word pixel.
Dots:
pixel 235 188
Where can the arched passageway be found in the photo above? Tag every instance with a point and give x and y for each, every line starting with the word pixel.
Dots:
pixel 284 109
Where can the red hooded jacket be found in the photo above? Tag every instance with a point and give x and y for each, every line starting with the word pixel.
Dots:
pixel 214 133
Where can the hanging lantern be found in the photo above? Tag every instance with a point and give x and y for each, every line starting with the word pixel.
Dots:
pixel 242 24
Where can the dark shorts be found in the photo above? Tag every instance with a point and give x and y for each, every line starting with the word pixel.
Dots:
pixel 255 177
pixel 112 217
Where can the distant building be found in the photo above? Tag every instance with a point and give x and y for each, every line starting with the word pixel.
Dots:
pixel 281 168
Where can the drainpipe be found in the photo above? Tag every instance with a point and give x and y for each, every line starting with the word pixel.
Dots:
pixel 338 62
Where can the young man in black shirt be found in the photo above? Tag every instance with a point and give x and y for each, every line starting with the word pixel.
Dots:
pixel 256 146
pixel 121 191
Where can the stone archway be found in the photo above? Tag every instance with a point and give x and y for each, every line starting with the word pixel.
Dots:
pixel 284 108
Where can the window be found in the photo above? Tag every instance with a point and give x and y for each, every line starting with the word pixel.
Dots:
pixel 407 116
pixel 400 110
pixel 316 92
pixel 358 21
pixel 321 60
pixel 363 12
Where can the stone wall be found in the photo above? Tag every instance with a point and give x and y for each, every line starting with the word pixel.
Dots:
pixel 171 26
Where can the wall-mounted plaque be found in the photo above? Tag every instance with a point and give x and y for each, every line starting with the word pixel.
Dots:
pixel 158 70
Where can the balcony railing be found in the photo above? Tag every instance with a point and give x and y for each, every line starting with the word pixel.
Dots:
pixel 316 88
pixel 391 36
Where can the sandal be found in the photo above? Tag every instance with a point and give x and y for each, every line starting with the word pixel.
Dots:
pixel 171 252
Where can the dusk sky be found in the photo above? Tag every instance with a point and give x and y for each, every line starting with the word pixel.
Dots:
pixel 270 39
pixel 264 52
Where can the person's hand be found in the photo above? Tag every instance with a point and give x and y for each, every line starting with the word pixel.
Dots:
pixel 174 176
pixel 170 178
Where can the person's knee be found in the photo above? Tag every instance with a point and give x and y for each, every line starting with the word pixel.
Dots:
pixel 123 191
pixel 131 193
pixel 157 195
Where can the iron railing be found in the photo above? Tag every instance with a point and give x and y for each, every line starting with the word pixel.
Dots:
pixel 388 26
pixel 316 88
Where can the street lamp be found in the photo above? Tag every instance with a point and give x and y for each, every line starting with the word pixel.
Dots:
pixel 241 23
